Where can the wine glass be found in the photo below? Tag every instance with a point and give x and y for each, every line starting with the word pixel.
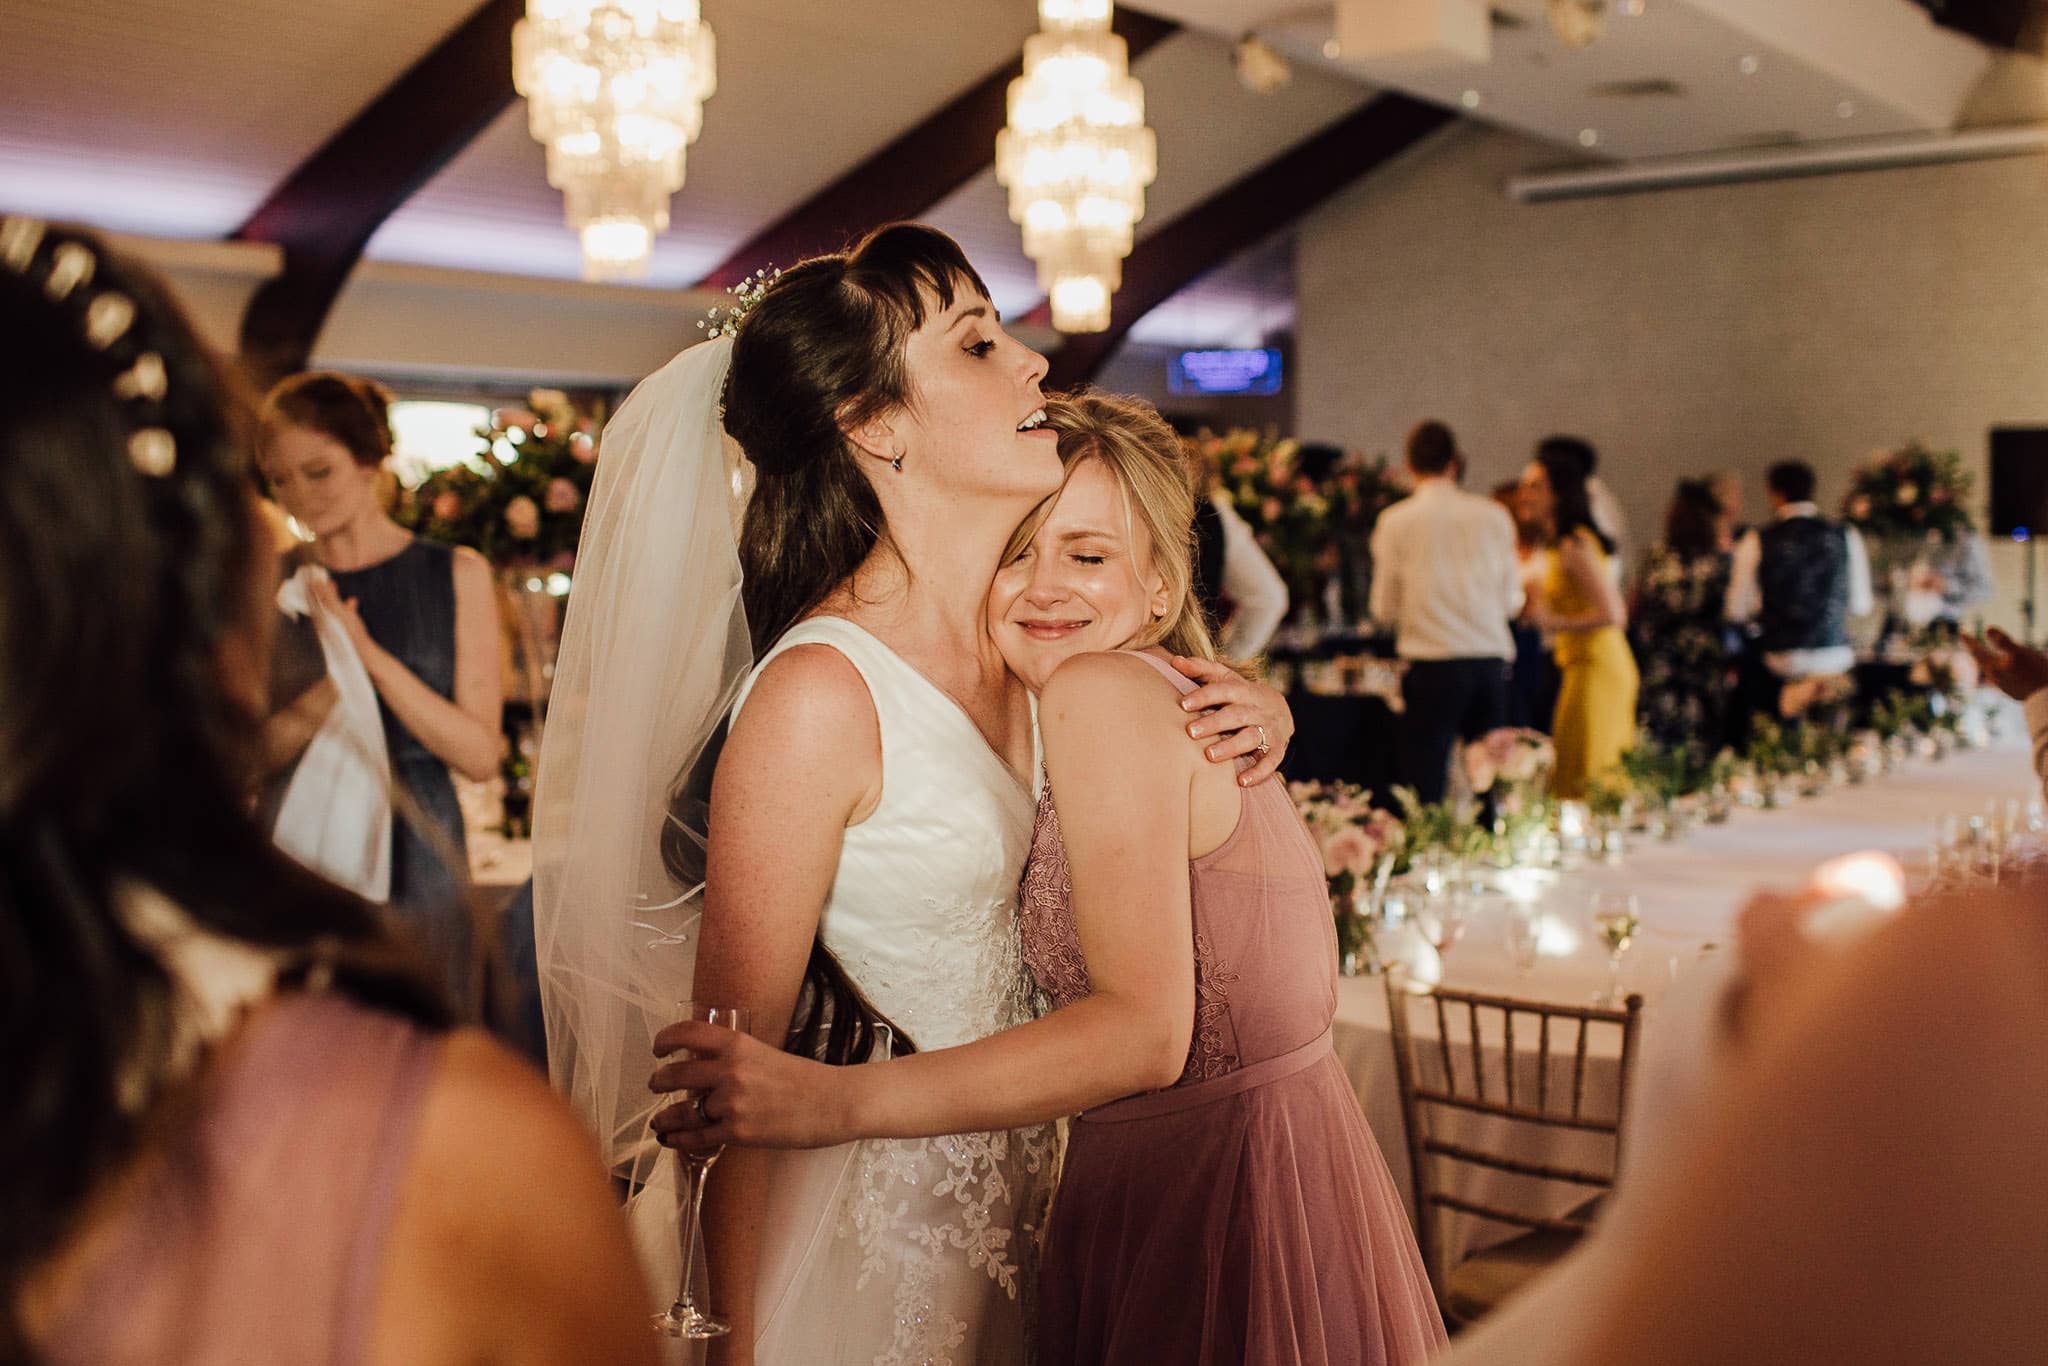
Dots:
pixel 1616 916
pixel 1442 920
pixel 1524 938
pixel 684 1319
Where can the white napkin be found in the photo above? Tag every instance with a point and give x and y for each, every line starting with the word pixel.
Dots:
pixel 336 815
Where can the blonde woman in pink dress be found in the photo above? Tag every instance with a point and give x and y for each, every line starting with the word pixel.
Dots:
pixel 1221 1199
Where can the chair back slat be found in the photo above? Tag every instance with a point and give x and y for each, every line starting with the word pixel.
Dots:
pixel 1478 1058
pixel 1423 1102
pixel 1542 1171
pixel 1509 1216
pixel 1443 1042
pixel 1508 1053
pixel 1579 1072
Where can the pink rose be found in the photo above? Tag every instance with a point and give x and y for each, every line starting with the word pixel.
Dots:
pixel 1348 851
pixel 1859 507
pixel 1480 767
pixel 1270 510
pixel 522 519
pixel 562 496
pixel 515 417
pixel 448 506
pixel 583 448
pixel 1941 493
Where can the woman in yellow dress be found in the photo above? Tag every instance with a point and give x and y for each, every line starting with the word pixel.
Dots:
pixel 1580 606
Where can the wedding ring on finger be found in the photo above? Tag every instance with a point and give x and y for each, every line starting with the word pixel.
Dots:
pixel 703 1113
pixel 1262 749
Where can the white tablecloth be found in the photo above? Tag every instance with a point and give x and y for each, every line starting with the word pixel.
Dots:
pixel 1688 892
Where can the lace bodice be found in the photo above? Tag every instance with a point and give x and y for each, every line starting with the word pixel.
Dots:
pixel 1264 942
pixel 922 916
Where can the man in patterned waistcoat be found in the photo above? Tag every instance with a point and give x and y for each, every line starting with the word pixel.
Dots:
pixel 1796 580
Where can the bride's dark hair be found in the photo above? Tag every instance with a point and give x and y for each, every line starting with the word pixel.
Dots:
pixel 131 562
pixel 818 355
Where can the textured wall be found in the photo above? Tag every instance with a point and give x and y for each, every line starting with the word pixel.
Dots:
pixel 1683 330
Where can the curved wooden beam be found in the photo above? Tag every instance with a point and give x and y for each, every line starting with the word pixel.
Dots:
pixel 950 147
pixel 1244 213
pixel 326 210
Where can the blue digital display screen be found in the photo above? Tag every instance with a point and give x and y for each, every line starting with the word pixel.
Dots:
pixel 1224 372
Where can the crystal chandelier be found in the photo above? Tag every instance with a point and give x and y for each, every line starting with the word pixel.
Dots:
pixel 1076 158
pixel 615 91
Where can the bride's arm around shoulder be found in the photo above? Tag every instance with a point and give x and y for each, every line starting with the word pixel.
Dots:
pixel 505 1244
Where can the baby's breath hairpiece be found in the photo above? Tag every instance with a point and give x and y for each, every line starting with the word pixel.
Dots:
pixel 108 315
pixel 726 322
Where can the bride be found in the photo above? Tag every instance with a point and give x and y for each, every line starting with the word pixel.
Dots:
pixel 858 861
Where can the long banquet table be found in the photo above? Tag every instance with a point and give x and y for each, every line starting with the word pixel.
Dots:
pixel 1688 891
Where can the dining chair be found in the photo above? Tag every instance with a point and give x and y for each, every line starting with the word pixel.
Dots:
pixel 1498 1087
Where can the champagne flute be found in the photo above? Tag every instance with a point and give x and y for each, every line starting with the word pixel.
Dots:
pixel 1616 916
pixel 684 1319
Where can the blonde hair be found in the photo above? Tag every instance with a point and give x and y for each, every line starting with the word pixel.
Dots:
pixel 1145 457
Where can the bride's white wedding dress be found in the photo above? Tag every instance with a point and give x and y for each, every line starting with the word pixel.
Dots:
pixel 915 1250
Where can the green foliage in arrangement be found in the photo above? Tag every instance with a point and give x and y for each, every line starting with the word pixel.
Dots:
pixel 1910 492
pixel 519 500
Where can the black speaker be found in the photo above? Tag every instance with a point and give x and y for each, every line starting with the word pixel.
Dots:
pixel 2019 481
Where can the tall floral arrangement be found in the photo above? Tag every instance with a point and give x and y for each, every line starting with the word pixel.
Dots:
pixel 519 500
pixel 1305 518
pixel 1359 844
pixel 1353 835
pixel 1910 492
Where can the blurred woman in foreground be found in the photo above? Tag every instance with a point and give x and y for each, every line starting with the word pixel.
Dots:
pixel 233 1126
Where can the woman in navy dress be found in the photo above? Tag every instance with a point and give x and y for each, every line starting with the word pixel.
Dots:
pixel 424 619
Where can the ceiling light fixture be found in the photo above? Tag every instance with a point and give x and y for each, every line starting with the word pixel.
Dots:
pixel 1260 67
pixel 1577 23
pixel 1076 157
pixel 615 91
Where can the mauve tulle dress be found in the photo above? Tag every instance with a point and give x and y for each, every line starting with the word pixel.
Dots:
pixel 1243 1214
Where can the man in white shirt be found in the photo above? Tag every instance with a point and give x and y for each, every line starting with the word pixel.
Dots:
pixel 1446 578
pixel 1797 580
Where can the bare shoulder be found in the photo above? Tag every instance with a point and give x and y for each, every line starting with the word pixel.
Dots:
pixel 508 1244
pixel 485 1100
pixel 472 571
pixel 1111 697
pixel 810 694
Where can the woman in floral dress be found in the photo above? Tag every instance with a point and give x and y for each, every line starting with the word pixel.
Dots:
pixel 1681 642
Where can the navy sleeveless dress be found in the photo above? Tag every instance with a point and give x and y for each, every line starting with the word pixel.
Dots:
pixel 407 602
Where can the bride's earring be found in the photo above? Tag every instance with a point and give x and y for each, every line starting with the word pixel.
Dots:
pixel 897 463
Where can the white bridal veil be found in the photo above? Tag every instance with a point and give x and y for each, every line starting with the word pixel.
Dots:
pixel 653 650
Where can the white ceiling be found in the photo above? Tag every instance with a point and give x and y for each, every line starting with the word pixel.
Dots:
pixel 175 118
pixel 1816 70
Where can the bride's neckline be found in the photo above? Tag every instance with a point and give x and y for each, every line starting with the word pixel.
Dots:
pixel 995 756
